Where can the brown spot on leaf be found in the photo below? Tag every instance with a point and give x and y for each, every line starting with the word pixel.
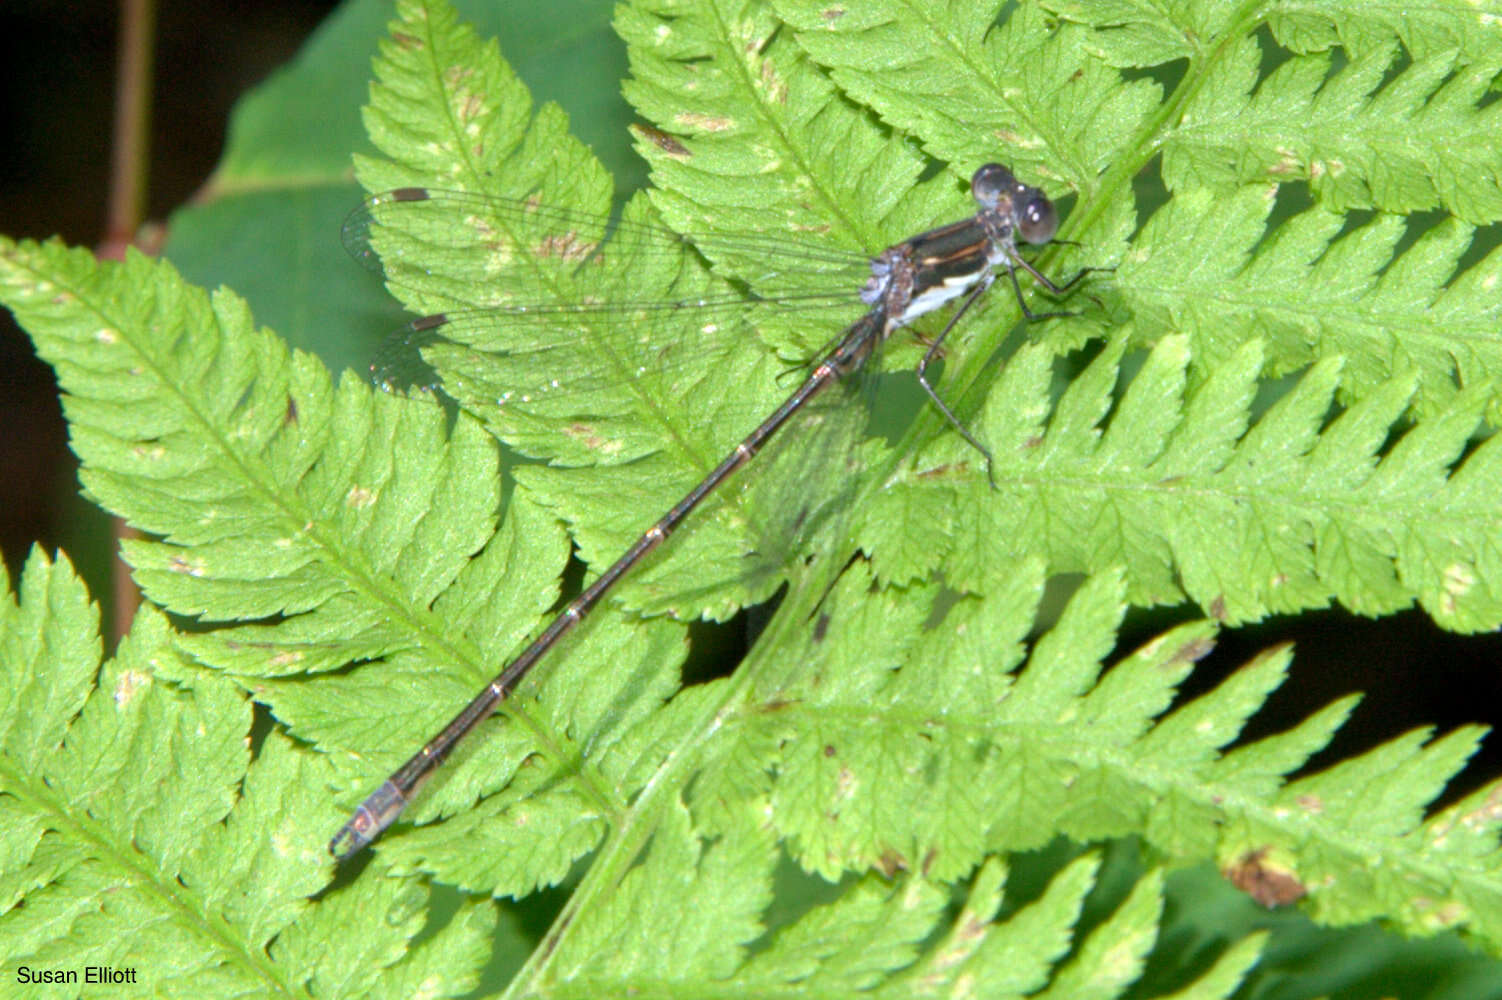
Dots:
pixel 1193 651
pixel 891 862
pixel 662 141
pixel 1269 883
pixel 565 246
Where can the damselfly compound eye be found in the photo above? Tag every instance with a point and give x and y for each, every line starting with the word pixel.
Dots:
pixel 990 183
pixel 1037 220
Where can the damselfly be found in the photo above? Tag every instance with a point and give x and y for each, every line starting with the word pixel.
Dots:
pixel 921 274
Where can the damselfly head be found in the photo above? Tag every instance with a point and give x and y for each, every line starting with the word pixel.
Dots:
pixel 996 189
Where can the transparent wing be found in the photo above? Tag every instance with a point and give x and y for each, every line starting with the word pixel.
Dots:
pixel 559 318
pixel 587 341
pixel 546 341
pixel 619 379
pixel 480 251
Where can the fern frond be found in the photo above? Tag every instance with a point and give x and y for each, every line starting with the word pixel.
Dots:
pixel 349 520
pixel 1402 126
pixel 141 837
pixel 1399 121
pixel 1026 92
pixel 1418 141
pixel 1191 497
pixel 896 731
pixel 936 749
pixel 773 149
pixel 885 938
pixel 1316 287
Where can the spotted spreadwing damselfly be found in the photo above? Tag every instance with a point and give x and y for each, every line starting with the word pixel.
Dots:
pixel 958 261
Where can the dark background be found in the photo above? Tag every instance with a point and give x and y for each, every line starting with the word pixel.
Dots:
pixel 57 84
pixel 56 102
